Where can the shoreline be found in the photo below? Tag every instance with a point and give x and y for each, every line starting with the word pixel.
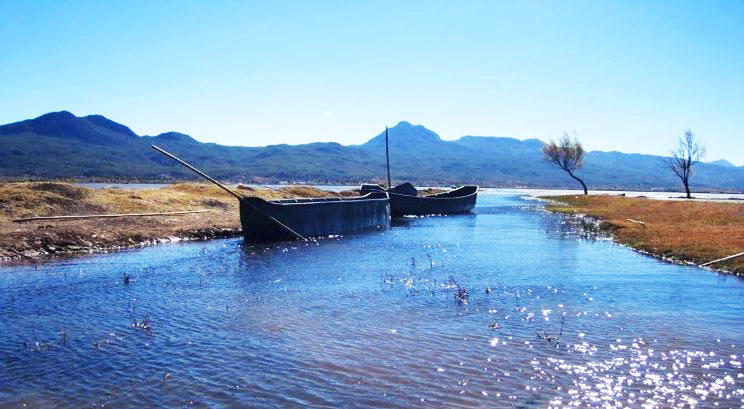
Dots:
pixel 678 232
pixel 38 241
pixel 41 240
pixel 51 252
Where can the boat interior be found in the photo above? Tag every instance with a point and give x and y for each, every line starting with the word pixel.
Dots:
pixel 372 195
pixel 459 192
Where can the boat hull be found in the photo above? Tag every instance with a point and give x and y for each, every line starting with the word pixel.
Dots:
pixel 403 205
pixel 405 201
pixel 262 220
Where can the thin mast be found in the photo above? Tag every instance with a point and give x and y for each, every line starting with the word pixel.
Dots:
pixel 387 155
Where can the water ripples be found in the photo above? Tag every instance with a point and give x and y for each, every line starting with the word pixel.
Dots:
pixel 509 307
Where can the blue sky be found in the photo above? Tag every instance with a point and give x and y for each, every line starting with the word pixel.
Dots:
pixel 626 75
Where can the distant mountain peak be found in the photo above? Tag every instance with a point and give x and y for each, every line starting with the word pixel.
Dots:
pixel 95 129
pixel 175 136
pixel 404 124
pixel 722 162
pixel 104 122
pixel 56 115
pixel 406 134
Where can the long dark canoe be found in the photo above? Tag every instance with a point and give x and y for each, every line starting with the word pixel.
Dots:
pixel 405 200
pixel 311 217
pixel 292 219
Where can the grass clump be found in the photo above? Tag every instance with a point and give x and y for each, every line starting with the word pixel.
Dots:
pixel 28 199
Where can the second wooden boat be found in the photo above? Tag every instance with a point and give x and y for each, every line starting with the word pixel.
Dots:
pixel 405 200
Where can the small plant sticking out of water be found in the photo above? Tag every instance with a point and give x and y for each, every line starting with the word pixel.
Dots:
pixel 413 263
pixel 132 311
pixel 388 279
pixel 552 340
pixel 461 295
pixel 145 325
pixel 39 345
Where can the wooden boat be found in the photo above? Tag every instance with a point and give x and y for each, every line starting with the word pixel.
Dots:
pixel 405 200
pixel 292 219
pixel 279 220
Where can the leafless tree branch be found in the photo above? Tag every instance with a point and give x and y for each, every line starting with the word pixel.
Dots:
pixel 684 156
pixel 566 154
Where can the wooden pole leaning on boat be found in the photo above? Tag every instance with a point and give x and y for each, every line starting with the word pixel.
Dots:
pixel 200 173
pixel 228 190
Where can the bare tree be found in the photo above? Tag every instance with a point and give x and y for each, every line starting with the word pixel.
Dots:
pixel 567 155
pixel 688 152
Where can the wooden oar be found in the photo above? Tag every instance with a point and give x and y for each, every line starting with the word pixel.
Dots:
pixel 228 190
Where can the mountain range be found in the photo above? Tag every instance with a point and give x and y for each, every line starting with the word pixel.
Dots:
pixel 62 145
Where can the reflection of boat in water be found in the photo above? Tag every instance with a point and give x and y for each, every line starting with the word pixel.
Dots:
pixel 290 219
pixel 405 200
pixel 311 217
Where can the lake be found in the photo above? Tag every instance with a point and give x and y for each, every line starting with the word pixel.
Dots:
pixel 552 318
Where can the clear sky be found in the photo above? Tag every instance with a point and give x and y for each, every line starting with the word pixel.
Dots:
pixel 625 75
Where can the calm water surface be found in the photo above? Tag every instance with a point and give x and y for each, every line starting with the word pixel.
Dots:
pixel 552 319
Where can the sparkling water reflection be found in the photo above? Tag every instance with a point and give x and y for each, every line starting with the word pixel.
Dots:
pixel 549 319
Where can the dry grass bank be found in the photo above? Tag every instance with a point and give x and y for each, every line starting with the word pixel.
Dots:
pixel 680 230
pixel 34 239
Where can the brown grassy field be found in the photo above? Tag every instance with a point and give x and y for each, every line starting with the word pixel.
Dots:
pixel 34 239
pixel 680 230
pixel 18 200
